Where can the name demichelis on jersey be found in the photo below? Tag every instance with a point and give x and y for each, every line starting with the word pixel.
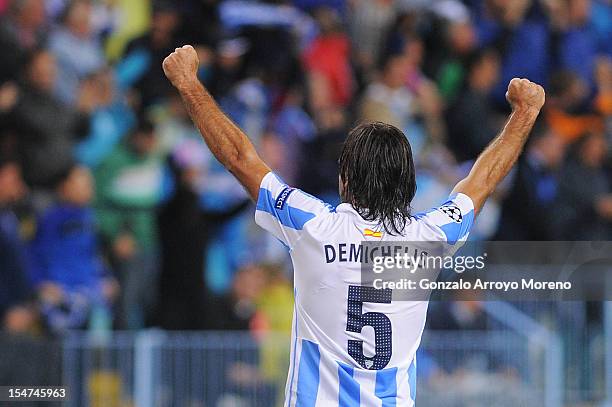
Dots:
pixel 351 345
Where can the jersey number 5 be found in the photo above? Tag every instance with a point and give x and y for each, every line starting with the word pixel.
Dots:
pixel 357 295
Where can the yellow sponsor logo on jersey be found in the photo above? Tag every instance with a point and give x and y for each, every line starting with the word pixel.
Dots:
pixel 372 233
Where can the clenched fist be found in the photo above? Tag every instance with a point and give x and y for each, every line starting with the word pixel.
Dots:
pixel 524 94
pixel 181 67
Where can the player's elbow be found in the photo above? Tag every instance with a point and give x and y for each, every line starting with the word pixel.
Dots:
pixel 231 161
pixel 239 159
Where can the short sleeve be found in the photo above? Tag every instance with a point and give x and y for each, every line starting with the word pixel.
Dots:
pixel 454 218
pixel 284 211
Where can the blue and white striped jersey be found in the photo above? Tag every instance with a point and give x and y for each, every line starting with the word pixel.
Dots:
pixel 351 345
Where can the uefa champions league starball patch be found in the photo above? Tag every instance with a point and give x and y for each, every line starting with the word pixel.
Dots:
pixel 452 211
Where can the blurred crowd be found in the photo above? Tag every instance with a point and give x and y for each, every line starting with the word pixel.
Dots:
pixel 114 214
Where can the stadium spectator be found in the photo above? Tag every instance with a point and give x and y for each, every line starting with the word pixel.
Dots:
pixel 228 67
pixel 567 110
pixel 22 30
pixel 521 31
pixel 248 103
pixel 174 128
pixel 237 309
pixel 584 194
pixel 47 129
pixel 69 274
pixel 368 22
pixel 471 120
pixel 185 230
pixel 578 46
pixel 320 176
pixel 16 309
pixel 272 327
pixel 388 99
pixel 429 103
pixel 76 49
pixel 129 186
pixel 326 62
pixel 111 119
pixel 404 96
pixel 530 210
pixel 151 49
pixel 452 42
pixel 293 127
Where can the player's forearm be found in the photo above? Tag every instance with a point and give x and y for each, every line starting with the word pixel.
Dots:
pixel 500 156
pixel 496 161
pixel 226 141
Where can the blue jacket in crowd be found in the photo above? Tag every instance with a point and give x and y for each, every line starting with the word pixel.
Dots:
pixel 66 248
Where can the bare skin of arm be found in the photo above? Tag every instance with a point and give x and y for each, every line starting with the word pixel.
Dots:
pixel 494 163
pixel 226 141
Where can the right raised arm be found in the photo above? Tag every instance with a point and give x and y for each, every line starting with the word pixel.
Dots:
pixel 226 141
pixel 494 163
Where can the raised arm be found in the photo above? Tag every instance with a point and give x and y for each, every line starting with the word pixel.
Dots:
pixel 227 142
pixel 494 163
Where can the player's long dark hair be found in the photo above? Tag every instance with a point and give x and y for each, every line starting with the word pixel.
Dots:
pixel 377 172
